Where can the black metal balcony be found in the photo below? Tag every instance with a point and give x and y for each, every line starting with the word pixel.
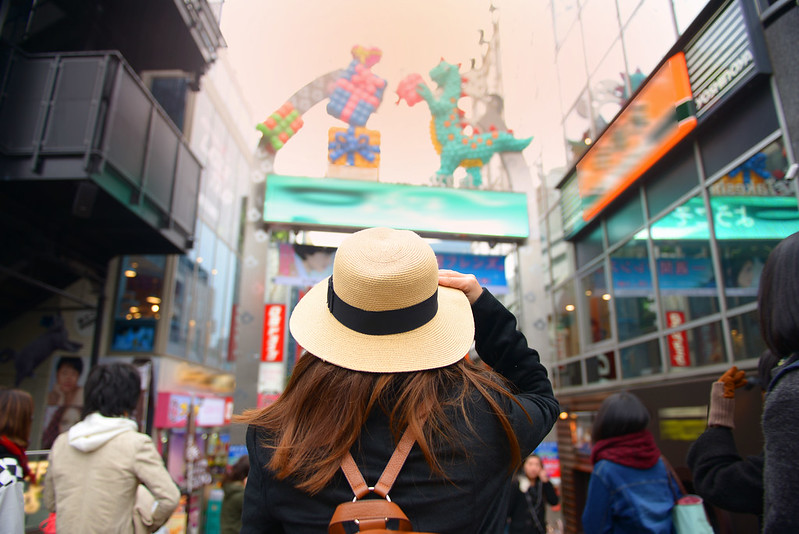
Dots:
pixel 90 165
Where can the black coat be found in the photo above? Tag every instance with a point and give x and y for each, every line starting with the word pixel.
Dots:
pixel 476 497
pixel 722 477
pixel 527 513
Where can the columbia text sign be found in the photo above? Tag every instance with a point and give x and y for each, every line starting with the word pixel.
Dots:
pixel 274 333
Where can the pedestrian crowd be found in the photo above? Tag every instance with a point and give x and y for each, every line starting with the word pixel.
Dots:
pixel 387 423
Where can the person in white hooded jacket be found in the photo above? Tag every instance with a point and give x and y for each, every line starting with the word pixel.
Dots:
pixel 98 465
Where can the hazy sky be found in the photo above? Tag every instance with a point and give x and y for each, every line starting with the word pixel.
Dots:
pixel 276 48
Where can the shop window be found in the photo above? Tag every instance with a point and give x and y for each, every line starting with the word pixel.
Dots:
pixel 671 179
pixel 600 368
pixel 569 375
pixel 747 342
pixel 577 129
pixel 600 28
pixel 590 246
pixel 567 333
pixel 626 220
pixel 695 347
pixel 595 299
pixel 137 308
pixel 684 266
pixel 647 38
pixel 754 208
pixel 641 360
pixel 633 292
pixel 181 306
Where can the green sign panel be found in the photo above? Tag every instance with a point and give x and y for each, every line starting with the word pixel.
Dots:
pixel 345 205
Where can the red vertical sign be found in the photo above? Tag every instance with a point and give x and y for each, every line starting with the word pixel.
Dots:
pixel 678 341
pixel 274 333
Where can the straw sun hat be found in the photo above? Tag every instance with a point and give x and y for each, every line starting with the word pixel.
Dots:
pixel 383 311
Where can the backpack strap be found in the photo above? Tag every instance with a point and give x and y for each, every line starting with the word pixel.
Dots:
pixel 389 476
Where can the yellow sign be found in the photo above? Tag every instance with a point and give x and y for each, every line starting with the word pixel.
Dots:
pixel 659 116
pixel 682 429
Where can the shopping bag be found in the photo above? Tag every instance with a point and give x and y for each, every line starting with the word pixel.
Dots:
pixel 689 516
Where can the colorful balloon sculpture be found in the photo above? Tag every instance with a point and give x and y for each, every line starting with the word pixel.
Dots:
pixel 280 126
pixel 456 147
pixel 358 92
pixel 357 147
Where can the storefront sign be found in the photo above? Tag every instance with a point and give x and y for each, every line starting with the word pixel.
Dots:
pixel 274 333
pixel 678 341
pixel 172 410
pixel 345 205
pixel 652 124
pixel 722 57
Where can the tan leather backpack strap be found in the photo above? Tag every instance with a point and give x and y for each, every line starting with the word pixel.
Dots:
pixel 354 476
pixel 395 463
pixel 389 475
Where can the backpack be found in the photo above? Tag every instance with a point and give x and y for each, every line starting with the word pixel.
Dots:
pixel 373 515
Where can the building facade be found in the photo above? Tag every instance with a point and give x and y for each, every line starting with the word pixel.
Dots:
pixel 670 181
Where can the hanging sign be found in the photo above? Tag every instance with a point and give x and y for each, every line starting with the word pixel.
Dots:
pixel 274 333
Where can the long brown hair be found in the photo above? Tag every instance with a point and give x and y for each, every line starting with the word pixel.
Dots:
pixel 319 416
pixel 16 415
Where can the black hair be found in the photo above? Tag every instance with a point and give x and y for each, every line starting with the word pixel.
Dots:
pixel 619 414
pixel 112 389
pixel 778 298
pixel 238 471
pixel 73 361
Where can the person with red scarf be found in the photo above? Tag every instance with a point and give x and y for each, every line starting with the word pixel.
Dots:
pixel 629 490
pixel 16 414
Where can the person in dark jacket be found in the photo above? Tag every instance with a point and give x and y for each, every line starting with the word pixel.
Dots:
pixel 233 485
pixel 527 513
pixel 778 304
pixel 629 490
pixel 386 339
pixel 721 476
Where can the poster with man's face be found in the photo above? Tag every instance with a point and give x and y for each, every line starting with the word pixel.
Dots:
pixel 64 397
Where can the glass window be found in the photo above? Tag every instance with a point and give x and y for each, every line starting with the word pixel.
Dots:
pixel 595 299
pixel 570 375
pixel 589 246
pixel 626 9
pixel 746 339
pixel 703 345
pixel 641 360
pixel 181 306
pixel 571 68
pixel 633 293
pixel 137 308
pixel 172 94
pixel 685 11
pixel 567 334
pixel 754 208
pixel 734 134
pixel 671 179
pixel 600 28
pixel 648 36
pixel 565 14
pixel 626 220
pixel 607 88
pixel 600 368
pixel 684 266
pixel 577 129
pixel 199 323
pixel 559 249
pixel 217 326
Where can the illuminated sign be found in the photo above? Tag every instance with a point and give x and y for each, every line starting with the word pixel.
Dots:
pixel 274 332
pixel 679 353
pixel 652 124
pixel 346 205
pixel 721 57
